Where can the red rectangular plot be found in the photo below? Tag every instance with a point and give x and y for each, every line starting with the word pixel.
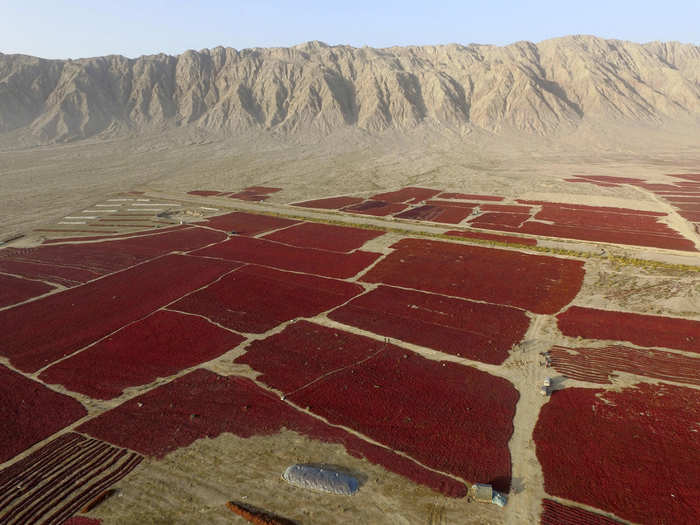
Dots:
pixel 38 333
pixel 410 194
pixel 527 241
pixel 247 223
pixel 204 193
pixel 694 177
pixel 443 214
pixel 510 220
pixel 467 196
pixel 690 215
pixel 15 289
pixel 427 212
pixel 388 393
pixel 658 187
pixel 484 332
pixel 157 346
pixel 55 273
pixel 305 351
pixel 393 394
pixel 505 208
pixel 330 203
pixel 598 365
pixel 452 214
pixel 605 235
pixel 554 513
pixel 688 207
pixel 324 236
pixel 31 412
pixel 603 220
pixel 183 240
pixel 541 284
pixel 678 200
pixel 57 480
pixel 452 204
pixel 256 299
pixel 585 207
pixel 642 330
pixel 86 261
pixel 613 450
pixel 262 189
pixel 679 192
pixel 307 260
pixel 203 404
pixel 376 208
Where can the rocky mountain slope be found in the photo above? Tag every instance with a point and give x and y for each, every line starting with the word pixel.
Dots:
pixel 544 89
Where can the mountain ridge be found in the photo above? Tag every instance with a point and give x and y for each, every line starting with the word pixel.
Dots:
pixel 552 87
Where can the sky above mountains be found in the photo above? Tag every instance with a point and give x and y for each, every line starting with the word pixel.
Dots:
pixel 81 28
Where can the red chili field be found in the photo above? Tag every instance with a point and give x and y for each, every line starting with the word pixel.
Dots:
pixel 595 223
pixel 330 203
pixel 307 260
pixel 642 330
pixel 414 356
pixel 30 412
pixel 540 284
pixel 40 332
pixel 508 220
pixel 247 223
pixel 256 299
pixel 56 481
pixel 554 513
pixel 70 264
pixel 453 204
pixel 468 196
pixel 408 195
pixel 376 208
pixel 283 361
pixel 324 237
pixel 484 332
pixel 599 364
pixel 157 346
pixel 388 393
pixel 11 263
pixel 203 404
pixel 15 289
pixel 633 453
pixel 669 242
pixel 204 193
pixel 434 213
pixel 505 208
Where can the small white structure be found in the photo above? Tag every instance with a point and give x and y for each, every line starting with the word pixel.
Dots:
pixel 547 381
pixel 321 479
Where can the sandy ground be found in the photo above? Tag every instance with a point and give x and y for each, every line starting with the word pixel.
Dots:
pixel 40 185
pixel 192 484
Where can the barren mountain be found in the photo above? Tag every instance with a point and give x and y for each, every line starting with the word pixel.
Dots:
pixel 542 89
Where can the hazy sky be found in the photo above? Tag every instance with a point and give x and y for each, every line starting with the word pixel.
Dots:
pixel 62 29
